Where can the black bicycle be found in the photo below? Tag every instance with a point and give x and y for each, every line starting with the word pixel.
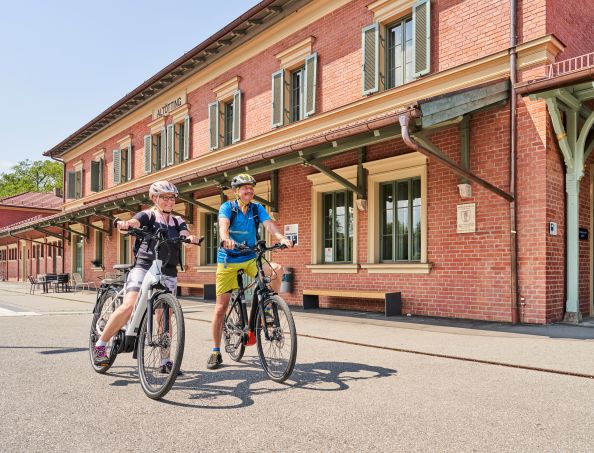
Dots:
pixel 270 324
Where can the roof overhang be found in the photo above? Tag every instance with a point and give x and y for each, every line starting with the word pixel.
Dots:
pixel 253 22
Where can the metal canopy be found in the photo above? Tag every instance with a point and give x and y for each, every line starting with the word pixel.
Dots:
pixel 576 142
pixel 447 107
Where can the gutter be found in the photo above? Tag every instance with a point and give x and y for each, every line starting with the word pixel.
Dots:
pixel 583 75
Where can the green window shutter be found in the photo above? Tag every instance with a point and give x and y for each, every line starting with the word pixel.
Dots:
pixel 370 56
pixel 117 164
pixel 422 37
pixel 71 181
pixel 186 150
pixel 311 72
pixel 278 98
pixel 101 166
pixel 236 133
pixel 163 148
pixel 79 186
pixel 129 164
pixel 170 143
pixel 148 153
pixel 213 125
pixel 95 175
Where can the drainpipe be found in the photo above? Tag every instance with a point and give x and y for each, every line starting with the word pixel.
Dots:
pixel 516 303
pixel 63 176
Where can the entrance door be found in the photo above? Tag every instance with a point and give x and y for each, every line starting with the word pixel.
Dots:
pixel 77 265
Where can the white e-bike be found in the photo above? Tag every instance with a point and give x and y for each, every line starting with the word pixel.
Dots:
pixel 155 331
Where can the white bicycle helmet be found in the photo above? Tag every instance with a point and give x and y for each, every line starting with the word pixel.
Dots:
pixel 160 187
pixel 241 180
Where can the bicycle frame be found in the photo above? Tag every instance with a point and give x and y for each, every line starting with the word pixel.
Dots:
pixel 261 293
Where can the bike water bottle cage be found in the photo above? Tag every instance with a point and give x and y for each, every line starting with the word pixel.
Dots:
pixel 255 216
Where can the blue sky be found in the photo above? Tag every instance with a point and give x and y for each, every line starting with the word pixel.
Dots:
pixel 64 62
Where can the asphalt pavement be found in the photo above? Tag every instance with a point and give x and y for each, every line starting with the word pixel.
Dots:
pixel 362 383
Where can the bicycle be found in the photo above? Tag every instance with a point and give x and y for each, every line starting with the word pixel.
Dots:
pixel 156 328
pixel 270 323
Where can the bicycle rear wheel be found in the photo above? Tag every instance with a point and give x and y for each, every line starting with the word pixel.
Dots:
pixel 233 333
pixel 107 305
pixel 166 344
pixel 278 352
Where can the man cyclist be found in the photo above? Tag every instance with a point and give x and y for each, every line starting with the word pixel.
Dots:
pixel 237 225
pixel 163 194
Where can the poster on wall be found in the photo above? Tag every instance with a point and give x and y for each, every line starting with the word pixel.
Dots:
pixel 292 232
pixel 466 218
pixel 328 255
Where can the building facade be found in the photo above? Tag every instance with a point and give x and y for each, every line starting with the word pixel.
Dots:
pixel 31 253
pixel 391 136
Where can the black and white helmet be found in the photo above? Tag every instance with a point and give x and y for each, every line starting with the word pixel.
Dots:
pixel 241 180
pixel 160 187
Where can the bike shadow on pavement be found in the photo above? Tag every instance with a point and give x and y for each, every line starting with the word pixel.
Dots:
pixel 237 385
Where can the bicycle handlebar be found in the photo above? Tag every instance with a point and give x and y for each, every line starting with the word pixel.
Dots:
pixel 158 236
pixel 259 247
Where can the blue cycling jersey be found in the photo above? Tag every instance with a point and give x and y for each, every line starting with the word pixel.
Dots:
pixel 243 229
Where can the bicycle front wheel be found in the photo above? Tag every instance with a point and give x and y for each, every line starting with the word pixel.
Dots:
pixel 105 308
pixel 277 339
pixel 166 344
pixel 233 333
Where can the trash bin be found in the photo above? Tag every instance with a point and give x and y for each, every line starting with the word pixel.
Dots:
pixel 287 280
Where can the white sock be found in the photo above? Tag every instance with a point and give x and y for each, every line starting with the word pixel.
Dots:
pixel 101 343
pixel 164 361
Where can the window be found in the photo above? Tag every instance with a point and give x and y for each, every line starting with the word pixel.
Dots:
pixel 297 92
pixel 397 217
pixel 98 260
pixel 407 45
pixel 300 91
pixel 224 121
pixel 125 249
pixel 122 164
pixel 400 225
pixel 74 184
pixel 228 123
pixel 168 147
pixel 97 174
pixel 399 62
pixel 337 212
pixel 211 238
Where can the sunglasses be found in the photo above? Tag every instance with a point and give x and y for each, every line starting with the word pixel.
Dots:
pixel 167 198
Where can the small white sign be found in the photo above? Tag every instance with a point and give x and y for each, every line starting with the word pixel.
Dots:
pixel 466 218
pixel 292 232
pixel 328 255
pixel 553 228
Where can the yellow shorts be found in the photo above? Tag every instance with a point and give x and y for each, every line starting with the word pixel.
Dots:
pixel 227 274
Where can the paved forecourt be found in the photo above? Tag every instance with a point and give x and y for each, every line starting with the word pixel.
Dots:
pixel 341 397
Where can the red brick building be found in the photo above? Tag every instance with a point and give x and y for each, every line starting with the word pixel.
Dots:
pixel 403 140
pixel 39 258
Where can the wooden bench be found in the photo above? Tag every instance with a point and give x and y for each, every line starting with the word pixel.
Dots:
pixel 208 289
pixel 392 301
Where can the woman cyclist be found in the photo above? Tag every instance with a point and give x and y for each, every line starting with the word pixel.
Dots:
pixel 163 194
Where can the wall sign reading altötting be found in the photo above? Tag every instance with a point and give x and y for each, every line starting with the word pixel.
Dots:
pixel 169 105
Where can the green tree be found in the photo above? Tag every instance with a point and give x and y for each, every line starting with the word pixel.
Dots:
pixel 31 176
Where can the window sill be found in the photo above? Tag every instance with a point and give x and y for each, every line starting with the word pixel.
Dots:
pixel 333 268
pixel 97 269
pixel 206 269
pixel 397 268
